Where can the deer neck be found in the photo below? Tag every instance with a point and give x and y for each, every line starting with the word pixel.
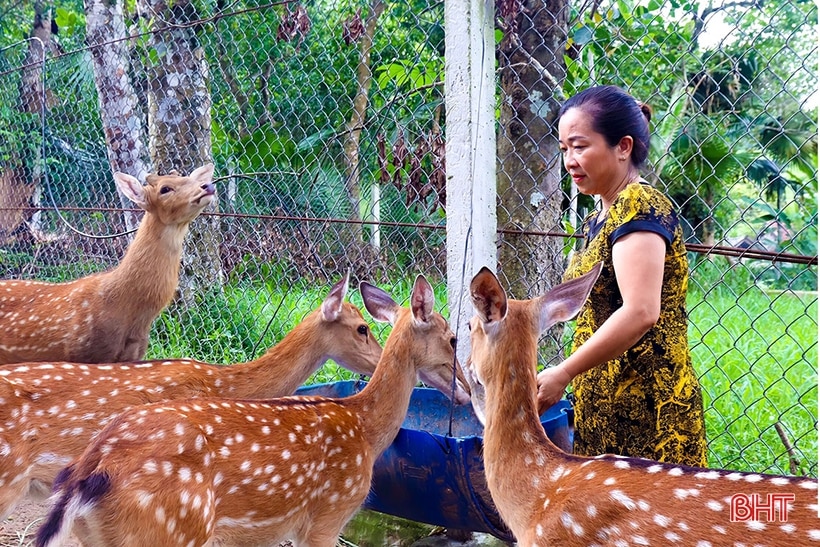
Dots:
pixel 149 271
pixel 282 368
pixel 383 403
pixel 514 439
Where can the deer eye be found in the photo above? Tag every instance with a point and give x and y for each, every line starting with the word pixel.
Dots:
pixel 453 342
pixel 362 329
pixel 164 189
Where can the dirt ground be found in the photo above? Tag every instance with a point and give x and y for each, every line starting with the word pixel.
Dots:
pixel 19 528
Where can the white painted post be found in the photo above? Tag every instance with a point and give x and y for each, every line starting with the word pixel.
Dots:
pixel 469 91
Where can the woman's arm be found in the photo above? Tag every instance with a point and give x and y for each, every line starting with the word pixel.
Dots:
pixel 638 259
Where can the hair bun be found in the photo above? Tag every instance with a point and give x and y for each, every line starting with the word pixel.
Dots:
pixel 646 110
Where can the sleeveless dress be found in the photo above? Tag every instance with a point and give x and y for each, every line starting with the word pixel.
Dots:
pixel 646 403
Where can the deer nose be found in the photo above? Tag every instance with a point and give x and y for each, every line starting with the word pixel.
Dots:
pixel 209 188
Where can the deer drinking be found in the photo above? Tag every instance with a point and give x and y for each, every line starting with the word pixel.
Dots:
pixel 49 412
pixel 233 472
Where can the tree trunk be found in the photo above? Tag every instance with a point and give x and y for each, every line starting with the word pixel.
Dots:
pixel 21 176
pixel 179 127
pixel 120 111
pixel 364 77
pixel 529 169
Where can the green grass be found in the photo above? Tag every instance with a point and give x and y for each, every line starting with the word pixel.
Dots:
pixel 756 354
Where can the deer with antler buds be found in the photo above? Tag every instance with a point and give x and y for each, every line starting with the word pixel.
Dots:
pixel 241 472
pixel 106 317
pixel 548 497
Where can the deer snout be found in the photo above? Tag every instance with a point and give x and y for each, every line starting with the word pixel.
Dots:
pixel 208 194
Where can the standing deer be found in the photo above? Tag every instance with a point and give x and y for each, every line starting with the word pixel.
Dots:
pixel 548 497
pixel 49 412
pixel 240 472
pixel 106 317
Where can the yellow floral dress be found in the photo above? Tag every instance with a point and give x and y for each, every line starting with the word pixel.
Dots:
pixel 646 403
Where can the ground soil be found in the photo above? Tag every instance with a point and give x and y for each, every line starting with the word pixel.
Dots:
pixel 19 528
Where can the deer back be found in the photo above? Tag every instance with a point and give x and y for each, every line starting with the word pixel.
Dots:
pixel 106 317
pixel 548 497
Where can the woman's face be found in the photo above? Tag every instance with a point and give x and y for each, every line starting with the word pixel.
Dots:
pixel 595 167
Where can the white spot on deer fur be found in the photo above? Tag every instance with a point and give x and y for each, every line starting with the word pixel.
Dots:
pixel 623 499
pixel 753 478
pixel 780 481
pixel 788 528
pixel 610 481
pixel 714 505
pixel 683 493
pixel 672 536
pixel 286 454
pixel 756 525
pixel 640 540
pixel 661 520
pixel 590 475
pixel 556 473
pixel 159 514
pixel 144 498
pixel 710 475
pixel 814 534
pixel 676 472
pixel 570 524
pixel 703 543
pixel 719 529
pixel 654 468
pixel 620 464
pixel 808 485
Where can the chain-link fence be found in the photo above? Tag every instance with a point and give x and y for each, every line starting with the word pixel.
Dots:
pixel 327 125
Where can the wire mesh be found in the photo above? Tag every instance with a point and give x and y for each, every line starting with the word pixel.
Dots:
pixel 326 123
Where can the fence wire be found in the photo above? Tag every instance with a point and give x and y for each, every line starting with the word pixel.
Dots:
pixel 326 123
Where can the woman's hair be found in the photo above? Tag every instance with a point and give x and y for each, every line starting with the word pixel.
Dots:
pixel 615 114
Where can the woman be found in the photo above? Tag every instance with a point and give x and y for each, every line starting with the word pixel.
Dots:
pixel 636 393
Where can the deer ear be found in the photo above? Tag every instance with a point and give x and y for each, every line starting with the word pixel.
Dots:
pixel 131 188
pixel 332 304
pixel 564 301
pixel 422 300
pixel 204 174
pixel 378 303
pixel 489 298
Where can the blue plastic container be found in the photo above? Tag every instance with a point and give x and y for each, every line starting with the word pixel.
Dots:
pixel 433 471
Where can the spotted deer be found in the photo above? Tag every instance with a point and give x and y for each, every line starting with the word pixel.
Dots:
pixel 106 317
pixel 50 411
pixel 548 497
pixel 241 472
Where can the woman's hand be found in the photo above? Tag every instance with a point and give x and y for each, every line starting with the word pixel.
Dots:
pixel 552 383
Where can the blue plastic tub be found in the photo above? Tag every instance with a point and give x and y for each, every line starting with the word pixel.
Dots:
pixel 433 471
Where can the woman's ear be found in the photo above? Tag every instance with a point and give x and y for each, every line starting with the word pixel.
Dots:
pixel 625 147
